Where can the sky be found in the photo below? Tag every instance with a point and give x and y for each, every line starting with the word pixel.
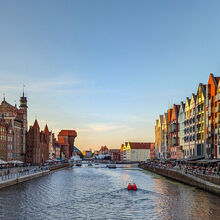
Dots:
pixel 106 68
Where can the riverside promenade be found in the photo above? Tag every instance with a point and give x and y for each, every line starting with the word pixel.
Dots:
pixel 211 185
pixel 27 173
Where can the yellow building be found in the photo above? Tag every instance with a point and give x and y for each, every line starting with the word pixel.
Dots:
pixel 200 121
pixel 136 152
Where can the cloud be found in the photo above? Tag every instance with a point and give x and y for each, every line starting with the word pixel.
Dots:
pixel 52 84
pixel 105 127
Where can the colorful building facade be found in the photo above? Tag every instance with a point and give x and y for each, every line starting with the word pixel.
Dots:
pixel 195 131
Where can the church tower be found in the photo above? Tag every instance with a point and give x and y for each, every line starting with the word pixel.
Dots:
pixel 23 106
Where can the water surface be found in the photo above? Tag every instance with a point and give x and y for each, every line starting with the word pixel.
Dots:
pixel 100 193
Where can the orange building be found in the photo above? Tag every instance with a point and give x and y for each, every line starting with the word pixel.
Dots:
pixel 211 115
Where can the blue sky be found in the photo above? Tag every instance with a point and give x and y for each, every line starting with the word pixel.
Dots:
pixel 106 68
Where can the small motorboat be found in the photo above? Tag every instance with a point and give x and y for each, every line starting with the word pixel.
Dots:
pixel 111 165
pixel 132 187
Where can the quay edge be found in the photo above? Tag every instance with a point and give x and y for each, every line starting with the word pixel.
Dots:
pixel 32 176
pixel 184 178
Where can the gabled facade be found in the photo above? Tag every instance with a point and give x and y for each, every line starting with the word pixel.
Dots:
pixel 186 147
pixel 156 139
pixel 160 136
pixel 192 129
pixel 174 131
pixel 37 149
pixel 211 114
pixel 164 136
pixel 200 121
pixel 217 119
pixel 181 120
pixel 169 137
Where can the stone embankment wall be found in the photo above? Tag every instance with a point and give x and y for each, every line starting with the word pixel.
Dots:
pixel 185 178
pixel 59 166
pixel 32 176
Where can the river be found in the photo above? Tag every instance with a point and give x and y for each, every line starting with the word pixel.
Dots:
pixel 100 193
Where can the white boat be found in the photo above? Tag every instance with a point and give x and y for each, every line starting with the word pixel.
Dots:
pixel 111 165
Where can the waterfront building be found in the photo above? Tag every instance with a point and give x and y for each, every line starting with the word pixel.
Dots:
pixel 66 139
pixel 169 136
pixel 192 129
pixel 87 153
pixel 103 150
pixel 156 139
pixel 174 147
pixel 124 157
pixel 217 110
pixel 152 151
pixel 57 149
pixel 121 152
pixel 115 154
pixel 137 152
pixel 186 147
pixel 164 136
pixel 159 137
pixel 49 138
pixel 17 119
pixel 181 120
pixel 3 141
pixel 37 149
pixel 211 114
pixel 200 121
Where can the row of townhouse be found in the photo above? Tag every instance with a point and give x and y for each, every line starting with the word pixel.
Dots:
pixel 191 129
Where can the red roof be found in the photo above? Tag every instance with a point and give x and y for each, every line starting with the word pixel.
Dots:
pixel 36 125
pixel 46 130
pixel 136 145
pixel 68 133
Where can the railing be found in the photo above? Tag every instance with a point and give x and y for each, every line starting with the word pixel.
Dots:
pixel 9 174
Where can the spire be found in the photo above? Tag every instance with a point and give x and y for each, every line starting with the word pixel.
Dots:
pixel 36 125
pixel 46 130
pixel 4 97
pixel 23 90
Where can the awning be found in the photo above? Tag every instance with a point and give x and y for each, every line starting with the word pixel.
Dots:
pixel 2 162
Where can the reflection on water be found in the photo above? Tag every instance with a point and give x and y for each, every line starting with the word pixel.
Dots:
pixel 100 193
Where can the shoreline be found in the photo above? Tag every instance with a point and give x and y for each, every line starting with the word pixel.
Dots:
pixel 21 179
pixel 187 179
